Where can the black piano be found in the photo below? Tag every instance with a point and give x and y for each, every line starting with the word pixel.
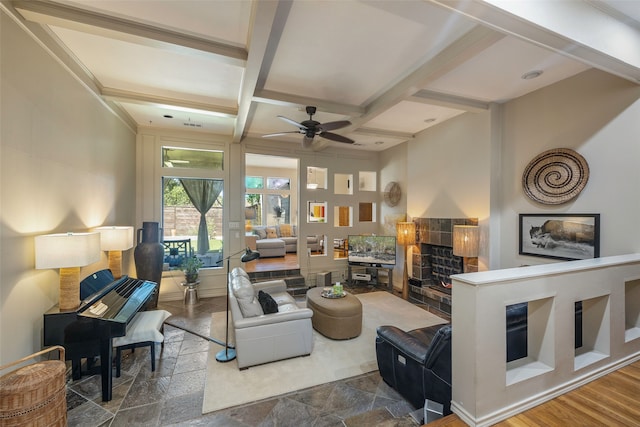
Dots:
pixel 103 315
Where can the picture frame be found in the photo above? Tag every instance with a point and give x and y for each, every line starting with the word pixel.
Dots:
pixel 317 212
pixel 560 236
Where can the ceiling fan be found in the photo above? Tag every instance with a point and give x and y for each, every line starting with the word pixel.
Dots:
pixel 310 128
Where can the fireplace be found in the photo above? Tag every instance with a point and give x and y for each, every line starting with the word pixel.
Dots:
pixel 433 261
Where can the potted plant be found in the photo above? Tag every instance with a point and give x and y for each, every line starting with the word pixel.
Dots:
pixel 278 211
pixel 191 266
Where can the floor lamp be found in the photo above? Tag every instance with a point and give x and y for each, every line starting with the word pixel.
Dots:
pixel 406 234
pixel 228 354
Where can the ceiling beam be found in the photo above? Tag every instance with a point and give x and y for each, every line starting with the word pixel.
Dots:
pixel 67 16
pixel 268 19
pixel 578 30
pixel 384 133
pixel 159 101
pixel 449 101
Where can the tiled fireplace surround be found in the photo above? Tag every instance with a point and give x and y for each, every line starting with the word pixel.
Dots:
pixel 433 262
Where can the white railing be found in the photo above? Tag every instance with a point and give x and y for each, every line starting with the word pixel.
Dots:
pixel 487 389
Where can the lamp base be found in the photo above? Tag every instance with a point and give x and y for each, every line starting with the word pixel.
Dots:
pixel 226 355
pixel 69 298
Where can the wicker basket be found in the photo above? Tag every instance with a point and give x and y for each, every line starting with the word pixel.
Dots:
pixel 34 395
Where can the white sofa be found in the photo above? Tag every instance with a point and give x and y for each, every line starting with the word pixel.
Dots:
pixel 262 338
pixel 267 246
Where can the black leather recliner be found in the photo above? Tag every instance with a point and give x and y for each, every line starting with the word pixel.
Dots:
pixel 417 364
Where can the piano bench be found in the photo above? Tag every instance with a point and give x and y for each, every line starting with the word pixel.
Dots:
pixel 145 329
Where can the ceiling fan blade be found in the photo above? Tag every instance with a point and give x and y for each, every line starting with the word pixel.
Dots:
pixel 336 137
pixel 307 142
pixel 269 135
pixel 333 125
pixel 293 122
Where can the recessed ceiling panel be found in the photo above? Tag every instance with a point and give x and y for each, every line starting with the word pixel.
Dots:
pixel 495 74
pixel 226 21
pixel 372 142
pixel 349 51
pixel 411 117
pixel 133 67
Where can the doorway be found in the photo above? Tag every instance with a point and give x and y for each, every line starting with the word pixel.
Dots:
pixel 271 211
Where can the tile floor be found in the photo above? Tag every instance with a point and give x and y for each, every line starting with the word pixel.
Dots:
pixel 173 394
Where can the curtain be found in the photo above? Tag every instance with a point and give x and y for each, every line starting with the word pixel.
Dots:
pixel 202 193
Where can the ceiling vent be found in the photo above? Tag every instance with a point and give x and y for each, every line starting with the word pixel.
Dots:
pixel 193 125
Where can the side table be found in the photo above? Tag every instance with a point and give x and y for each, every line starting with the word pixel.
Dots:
pixel 190 292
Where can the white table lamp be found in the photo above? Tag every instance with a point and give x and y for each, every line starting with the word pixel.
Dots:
pixel 115 239
pixel 68 252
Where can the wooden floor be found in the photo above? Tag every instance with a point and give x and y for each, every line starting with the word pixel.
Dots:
pixel 287 262
pixel 613 400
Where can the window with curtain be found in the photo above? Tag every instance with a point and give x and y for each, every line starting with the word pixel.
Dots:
pixel 192 206
pixel 192 219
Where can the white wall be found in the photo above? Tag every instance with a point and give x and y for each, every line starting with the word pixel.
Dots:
pixel 336 161
pixel 67 164
pixel 450 168
pixel 472 165
pixel 598 116
pixel 393 168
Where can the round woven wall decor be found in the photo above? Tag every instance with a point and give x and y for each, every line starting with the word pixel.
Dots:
pixel 555 176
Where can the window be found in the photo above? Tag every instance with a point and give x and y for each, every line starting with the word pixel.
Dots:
pixel 192 220
pixel 271 206
pixel 173 157
pixel 192 205
pixel 278 184
pixel 254 182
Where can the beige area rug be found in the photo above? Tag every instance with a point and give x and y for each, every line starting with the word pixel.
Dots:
pixel 330 360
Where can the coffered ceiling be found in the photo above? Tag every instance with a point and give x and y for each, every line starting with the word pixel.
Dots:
pixel 391 67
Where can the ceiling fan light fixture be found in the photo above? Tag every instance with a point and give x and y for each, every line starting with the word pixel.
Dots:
pixel 532 74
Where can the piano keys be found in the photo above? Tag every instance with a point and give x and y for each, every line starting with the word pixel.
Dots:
pixel 88 331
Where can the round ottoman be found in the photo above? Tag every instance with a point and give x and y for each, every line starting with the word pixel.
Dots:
pixel 335 318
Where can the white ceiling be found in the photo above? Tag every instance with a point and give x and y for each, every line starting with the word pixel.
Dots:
pixel 391 67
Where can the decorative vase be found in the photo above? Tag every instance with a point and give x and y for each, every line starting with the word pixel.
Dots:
pixel 148 256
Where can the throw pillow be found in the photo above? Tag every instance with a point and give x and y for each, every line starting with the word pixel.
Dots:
pixel 294 231
pixel 245 294
pixel 271 233
pixel 269 305
pixel 285 230
pixel 260 232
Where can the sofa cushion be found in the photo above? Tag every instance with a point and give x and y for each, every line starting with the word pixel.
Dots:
pixel 285 230
pixel 260 232
pixel 271 233
pixel 268 304
pixel 245 294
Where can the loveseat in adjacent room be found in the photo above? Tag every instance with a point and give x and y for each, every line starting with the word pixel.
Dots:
pixel 271 239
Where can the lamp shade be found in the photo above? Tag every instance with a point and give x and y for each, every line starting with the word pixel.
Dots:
pixel 67 250
pixel 406 233
pixel 115 238
pixel 465 240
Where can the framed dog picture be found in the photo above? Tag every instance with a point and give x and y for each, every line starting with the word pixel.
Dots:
pixel 560 236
